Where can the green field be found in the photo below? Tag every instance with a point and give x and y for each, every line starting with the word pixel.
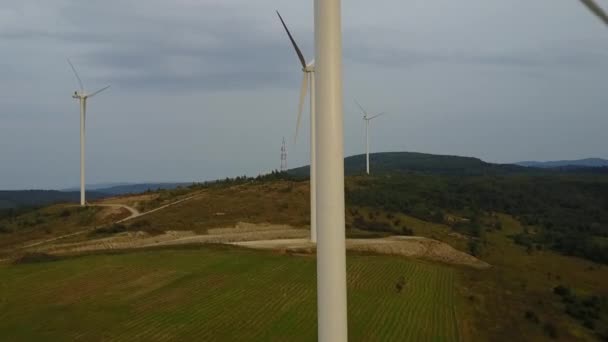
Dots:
pixel 223 294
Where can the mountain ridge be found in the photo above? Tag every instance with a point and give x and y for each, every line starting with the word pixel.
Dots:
pixel 582 163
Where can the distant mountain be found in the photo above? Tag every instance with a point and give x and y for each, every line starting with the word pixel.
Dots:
pixel 390 162
pixel 128 188
pixel 96 186
pixel 139 188
pixel 580 163
pixel 34 198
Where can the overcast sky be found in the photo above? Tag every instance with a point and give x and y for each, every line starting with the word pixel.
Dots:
pixel 203 89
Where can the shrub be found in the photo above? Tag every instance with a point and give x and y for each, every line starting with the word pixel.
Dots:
pixel 474 247
pixel 4 229
pixel 532 317
pixel 30 258
pixel 112 229
pixel 400 284
pixel 550 330
pixel 562 291
pixel 589 324
pixel 406 231
pixel 140 223
pixel 65 213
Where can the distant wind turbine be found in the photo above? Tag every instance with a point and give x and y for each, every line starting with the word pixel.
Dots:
pixel 596 9
pixel 308 79
pixel 82 96
pixel 367 119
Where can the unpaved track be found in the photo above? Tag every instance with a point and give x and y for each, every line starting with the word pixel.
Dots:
pixel 134 214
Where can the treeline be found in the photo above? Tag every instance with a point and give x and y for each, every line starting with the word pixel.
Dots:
pixel 275 175
pixel 566 213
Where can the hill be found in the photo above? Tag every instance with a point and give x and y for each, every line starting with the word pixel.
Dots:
pixel 36 198
pixel 181 292
pixel 544 234
pixel 580 163
pixel 399 162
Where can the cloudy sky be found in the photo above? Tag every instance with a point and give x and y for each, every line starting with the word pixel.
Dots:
pixel 203 89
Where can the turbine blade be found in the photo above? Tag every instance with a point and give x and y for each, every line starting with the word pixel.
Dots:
pixel 76 74
pixel 375 116
pixel 303 92
pixel 596 9
pixel 97 92
pixel 361 107
pixel 293 42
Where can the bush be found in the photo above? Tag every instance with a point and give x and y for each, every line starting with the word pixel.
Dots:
pixel 532 317
pixel 65 213
pixel 140 223
pixel 406 231
pixel 562 291
pixel 4 229
pixel 550 330
pixel 475 247
pixel 30 258
pixel 400 284
pixel 589 324
pixel 374 226
pixel 109 230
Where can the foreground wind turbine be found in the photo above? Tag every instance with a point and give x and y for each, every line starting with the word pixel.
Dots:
pixel 82 96
pixel 308 79
pixel 331 254
pixel 331 242
pixel 367 119
pixel 596 9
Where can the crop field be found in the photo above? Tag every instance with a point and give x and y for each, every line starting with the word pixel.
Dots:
pixel 223 294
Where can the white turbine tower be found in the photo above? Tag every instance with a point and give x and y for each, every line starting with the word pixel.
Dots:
pixel 308 79
pixel 331 243
pixel 367 119
pixel 596 9
pixel 82 96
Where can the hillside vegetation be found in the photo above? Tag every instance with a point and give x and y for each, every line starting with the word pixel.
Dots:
pixel 543 233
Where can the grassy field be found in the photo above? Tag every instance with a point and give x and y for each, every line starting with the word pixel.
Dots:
pixel 223 294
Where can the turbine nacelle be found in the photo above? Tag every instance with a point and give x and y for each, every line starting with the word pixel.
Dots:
pixel 79 95
pixel 310 67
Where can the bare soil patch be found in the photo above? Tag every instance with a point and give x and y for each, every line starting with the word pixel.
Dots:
pixel 282 238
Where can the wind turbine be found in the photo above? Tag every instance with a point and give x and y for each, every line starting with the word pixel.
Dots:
pixel 308 80
pixel 82 96
pixel 367 119
pixel 331 254
pixel 331 245
pixel 596 9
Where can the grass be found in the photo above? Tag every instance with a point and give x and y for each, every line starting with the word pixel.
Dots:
pixel 223 294
pixel 280 202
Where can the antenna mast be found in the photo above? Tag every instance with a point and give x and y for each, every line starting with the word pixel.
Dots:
pixel 283 156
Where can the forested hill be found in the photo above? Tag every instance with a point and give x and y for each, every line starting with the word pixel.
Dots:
pixel 397 162
pixel 30 198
